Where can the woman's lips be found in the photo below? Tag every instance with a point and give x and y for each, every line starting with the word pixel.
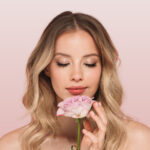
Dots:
pixel 76 90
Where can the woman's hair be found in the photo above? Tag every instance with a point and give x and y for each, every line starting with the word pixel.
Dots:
pixel 39 97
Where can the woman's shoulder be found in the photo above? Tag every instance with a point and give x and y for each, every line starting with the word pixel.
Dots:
pixel 138 136
pixel 137 129
pixel 11 140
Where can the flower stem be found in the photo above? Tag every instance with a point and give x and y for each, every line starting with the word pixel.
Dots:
pixel 78 138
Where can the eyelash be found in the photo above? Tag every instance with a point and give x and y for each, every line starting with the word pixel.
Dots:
pixel 64 65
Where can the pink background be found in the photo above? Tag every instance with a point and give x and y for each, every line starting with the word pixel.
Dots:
pixel 21 25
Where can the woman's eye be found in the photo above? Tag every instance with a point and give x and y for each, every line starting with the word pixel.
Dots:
pixel 66 64
pixel 62 65
pixel 91 65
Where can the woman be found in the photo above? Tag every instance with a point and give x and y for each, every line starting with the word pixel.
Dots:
pixel 75 56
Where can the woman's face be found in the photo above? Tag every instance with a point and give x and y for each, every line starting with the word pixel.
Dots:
pixel 76 67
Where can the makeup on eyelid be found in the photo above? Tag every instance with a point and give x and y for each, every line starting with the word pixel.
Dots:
pixel 76 62
pixel 65 61
pixel 90 64
pixel 66 64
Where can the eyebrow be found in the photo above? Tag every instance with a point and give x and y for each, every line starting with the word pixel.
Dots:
pixel 66 55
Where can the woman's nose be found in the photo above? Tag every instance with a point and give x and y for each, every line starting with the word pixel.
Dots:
pixel 76 74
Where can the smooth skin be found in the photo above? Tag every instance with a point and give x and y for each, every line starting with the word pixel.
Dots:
pixel 95 140
pixel 76 63
pixel 75 46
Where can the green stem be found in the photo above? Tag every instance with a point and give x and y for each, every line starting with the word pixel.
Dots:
pixel 78 138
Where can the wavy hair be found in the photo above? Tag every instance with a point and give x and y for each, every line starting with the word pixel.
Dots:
pixel 39 98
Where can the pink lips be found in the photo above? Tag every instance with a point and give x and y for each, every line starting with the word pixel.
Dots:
pixel 76 90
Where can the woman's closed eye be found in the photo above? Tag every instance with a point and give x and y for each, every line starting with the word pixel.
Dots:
pixel 91 65
pixel 66 64
pixel 62 64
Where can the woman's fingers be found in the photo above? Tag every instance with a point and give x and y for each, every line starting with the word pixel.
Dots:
pixel 96 119
pixel 94 140
pixel 103 115
pixel 85 143
pixel 100 111
pixel 100 117
pixel 87 125
pixel 90 135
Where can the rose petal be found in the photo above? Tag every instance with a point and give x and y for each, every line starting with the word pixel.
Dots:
pixel 75 107
pixel 60 112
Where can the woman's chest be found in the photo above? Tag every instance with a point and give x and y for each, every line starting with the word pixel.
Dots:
pixel 59 144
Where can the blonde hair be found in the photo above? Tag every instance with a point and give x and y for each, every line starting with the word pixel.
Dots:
pixel 39 97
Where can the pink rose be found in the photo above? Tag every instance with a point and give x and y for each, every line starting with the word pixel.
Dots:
pixel 75 107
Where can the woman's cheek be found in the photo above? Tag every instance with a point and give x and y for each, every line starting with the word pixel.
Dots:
pixel 60 76
pixel 94 73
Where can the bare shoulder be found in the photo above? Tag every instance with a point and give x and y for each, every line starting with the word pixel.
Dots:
pixel 138 136
pixel 11 140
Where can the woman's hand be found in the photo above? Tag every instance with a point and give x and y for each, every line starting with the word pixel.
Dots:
pixel 94 140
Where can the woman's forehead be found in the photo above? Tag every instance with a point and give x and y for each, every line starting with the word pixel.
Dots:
pixel 75 42
pixel 70 56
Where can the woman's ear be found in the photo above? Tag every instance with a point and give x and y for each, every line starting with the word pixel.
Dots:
pixel 46 71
